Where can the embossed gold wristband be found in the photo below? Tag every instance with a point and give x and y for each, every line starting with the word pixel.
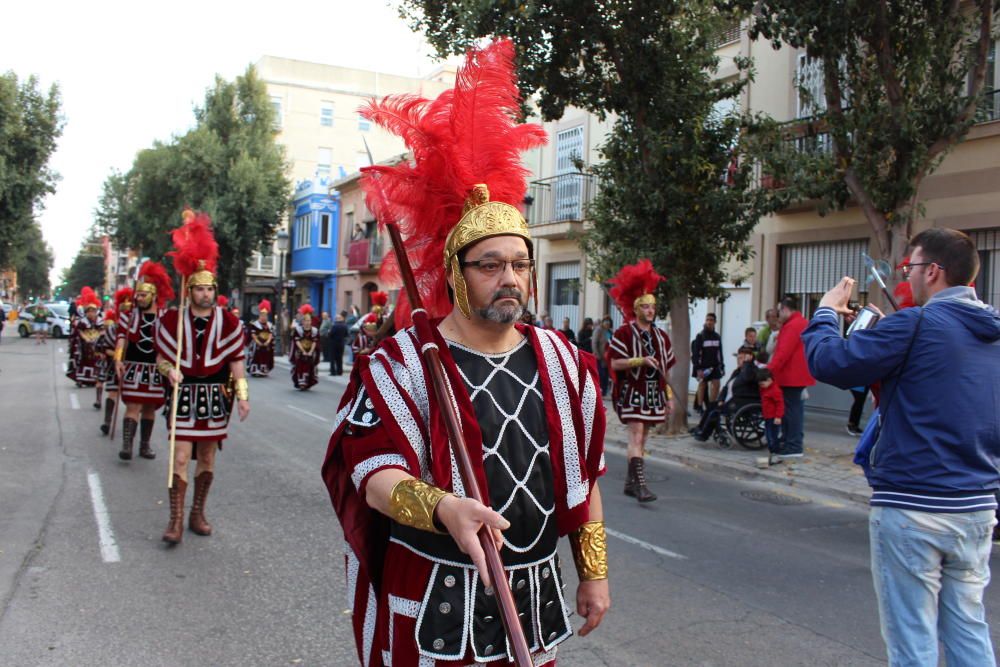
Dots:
pixel 119 353
pixel 242 389
pixel 590 551
pixel 635 362
pixel 412 503
pixel 164 367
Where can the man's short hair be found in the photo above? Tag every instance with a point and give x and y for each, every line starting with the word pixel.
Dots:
pixel 770 311
pixel 749 330
pixel 951 250
pixel 763 375
pixel 746 349
pixel 712 315
pixel 789 301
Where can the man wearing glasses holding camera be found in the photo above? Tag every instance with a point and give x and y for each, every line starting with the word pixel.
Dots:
pixel 932 465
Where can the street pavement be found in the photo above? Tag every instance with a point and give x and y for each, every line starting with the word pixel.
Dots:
pixel 729 567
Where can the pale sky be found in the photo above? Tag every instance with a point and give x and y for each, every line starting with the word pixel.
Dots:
pixel 132 72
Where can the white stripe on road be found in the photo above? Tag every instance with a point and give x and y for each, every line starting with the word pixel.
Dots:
pixel 109 548
pixel 310 414
pixel 74 401
pixel 65 366
pixel 645 545
pixel 60 350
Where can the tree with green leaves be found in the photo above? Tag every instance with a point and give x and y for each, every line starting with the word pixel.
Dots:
pixel 229 166
pixel 902 85
pixel 670 187
pixel 33 264
pixel 87 269
pixel 30 124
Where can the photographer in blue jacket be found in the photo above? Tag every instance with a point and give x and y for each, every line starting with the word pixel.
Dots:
pixel 934 451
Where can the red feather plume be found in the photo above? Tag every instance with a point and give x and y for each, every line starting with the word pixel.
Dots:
pixel 465 136
pixel 903 292
pixel 195 248
pixel 379 298
pixel 633 281
pixel 155 273
pixel 124 294
pixel 88 298
pixel 222 300
pixel 306 309
pixel 264 305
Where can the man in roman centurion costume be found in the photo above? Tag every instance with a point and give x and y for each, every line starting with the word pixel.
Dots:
pixel 210 374
pixel 305 350
pixel 83 340
pixel 371 324
pixel 106 345
pixel 641 357
pixel 135 358
pixel 260 351
pixel 528 402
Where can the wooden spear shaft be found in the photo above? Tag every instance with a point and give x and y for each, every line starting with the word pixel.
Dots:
pixel 181 314
pixel 498 576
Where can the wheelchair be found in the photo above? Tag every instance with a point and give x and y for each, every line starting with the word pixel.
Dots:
pixel 744 426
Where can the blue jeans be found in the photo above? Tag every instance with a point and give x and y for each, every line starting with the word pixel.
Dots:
pixel 930 572
pixel 772 432
pixel 793 421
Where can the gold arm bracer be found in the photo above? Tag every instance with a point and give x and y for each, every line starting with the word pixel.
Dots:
pixel 635 362
pixel 242 389
pixel 412 502
pixel 119 353
pixel 164 367
pixel 590 551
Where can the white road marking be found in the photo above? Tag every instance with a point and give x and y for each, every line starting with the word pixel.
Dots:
pixel 65 365
pixel 645 545
pixel 60 350
pixel 74 401
pixel 109 548
pixel 310 414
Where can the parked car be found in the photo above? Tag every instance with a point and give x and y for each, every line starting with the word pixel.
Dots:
pixel 58 319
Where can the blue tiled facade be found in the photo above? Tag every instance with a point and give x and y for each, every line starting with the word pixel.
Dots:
pixel 314 242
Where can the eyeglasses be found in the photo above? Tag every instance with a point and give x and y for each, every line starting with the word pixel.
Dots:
pixel 492 267
pixel 908 268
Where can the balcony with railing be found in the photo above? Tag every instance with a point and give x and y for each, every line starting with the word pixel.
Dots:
pixel 365 254
pixel 989 107
pixel 556 207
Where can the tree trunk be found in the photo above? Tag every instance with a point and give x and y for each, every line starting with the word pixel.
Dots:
pixel 680 339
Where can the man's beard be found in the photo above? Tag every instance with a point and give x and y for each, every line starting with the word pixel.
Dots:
pixel 503 314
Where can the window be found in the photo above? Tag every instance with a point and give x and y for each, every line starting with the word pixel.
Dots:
pixel 265 263
pixel 808 270
pixel 811 90
pixel 988 281
pixel 324 230
pixel 364 124
pixel 564 294
pixel 303 231
pixel 326 114
pixel 323 160
pixel 568 186
pixel 276 105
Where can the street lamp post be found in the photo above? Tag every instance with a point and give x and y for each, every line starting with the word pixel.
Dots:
pixel 282 245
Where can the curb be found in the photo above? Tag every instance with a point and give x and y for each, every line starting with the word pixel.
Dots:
pixel 743 472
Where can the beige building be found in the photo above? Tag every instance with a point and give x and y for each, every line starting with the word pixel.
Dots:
pixel 316 109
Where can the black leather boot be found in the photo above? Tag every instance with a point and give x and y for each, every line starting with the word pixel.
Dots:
pixel 145 451
pixel 630 479
pixel 129 427
pixel 109 409
pixel 642 492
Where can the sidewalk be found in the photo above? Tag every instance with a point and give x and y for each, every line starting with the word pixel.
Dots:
pixel 827 466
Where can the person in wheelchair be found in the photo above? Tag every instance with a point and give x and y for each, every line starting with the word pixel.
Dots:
pixel 740 389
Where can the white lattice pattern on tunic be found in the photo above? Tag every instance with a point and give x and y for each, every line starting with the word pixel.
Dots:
pixel 500 372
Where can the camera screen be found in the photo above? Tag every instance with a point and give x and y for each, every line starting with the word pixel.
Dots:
pixel 866 319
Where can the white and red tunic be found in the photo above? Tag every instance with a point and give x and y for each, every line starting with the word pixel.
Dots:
pixel 534 424
pixel 210 344
pixel 260 351
pixel 640 394
pixel 141 382
pixel 304 356
pixel 83 343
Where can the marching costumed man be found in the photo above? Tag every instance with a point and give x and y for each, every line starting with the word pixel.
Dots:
pixel 142 388
pixel 371 324
pixel 305 350
pixel 106 345
pixel 210 372
pixel 528 402
pixel 260 353
pixel 83 339
pixel 641 357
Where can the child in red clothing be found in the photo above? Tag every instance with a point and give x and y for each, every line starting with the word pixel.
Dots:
pixel 772 406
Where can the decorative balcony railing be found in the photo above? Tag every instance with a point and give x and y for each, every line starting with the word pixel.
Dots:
pixel 562 198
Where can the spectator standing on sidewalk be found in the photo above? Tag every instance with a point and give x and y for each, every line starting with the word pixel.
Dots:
pixel 600 344
pixel 584 339
pixel 325 324
pixel 790 372
pixel 338 338
pixel 707 362
pixel 567 331
pixel 767 337
pixel 772 408
pixel 933 466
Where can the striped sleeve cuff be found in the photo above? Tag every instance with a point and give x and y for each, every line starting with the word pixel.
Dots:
pixel 827 313
pixel 369 466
